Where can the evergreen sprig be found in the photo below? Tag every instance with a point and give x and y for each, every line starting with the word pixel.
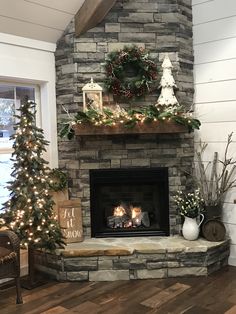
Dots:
pixel 127 118
pixel 58 180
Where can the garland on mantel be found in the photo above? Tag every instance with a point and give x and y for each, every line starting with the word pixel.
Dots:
pixel 127 118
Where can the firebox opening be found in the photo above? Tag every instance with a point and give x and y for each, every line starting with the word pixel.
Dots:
pixel 129 202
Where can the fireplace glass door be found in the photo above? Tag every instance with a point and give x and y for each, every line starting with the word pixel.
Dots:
pixel 129 202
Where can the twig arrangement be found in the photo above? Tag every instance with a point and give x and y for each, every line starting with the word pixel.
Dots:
pixel 214 187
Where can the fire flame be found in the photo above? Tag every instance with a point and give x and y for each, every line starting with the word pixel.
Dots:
pixel 119 211
pixel 136 211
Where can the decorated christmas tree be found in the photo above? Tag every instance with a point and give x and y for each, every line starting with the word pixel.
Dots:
pixel 29 211
pixel 167 99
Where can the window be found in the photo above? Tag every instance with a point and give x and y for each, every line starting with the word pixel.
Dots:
pixel 10 98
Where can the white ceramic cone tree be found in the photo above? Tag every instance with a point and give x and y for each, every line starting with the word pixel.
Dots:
pixel 167 97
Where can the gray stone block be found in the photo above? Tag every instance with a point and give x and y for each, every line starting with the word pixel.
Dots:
pixel 151 273
pixel 121 264
pixel 131 27
pixel 152 257
pixel 86 47
pixel 112 27
pixel 77 276
pixel 192 259
pixel 108 275
pixel 139 162
pixel 156 265
pixel 105 264
pixel 138 263
pixel 137 37
pixel 89 67
pixel 136 18
pixel 120 46
pixel 141 7
pixel 187 271
pixel 69 68
pixel 78 265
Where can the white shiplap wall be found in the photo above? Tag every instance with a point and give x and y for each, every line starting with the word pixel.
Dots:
pixel 214 34
pixel 43 20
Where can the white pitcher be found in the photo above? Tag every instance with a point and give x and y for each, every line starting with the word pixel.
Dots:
pixel 191 228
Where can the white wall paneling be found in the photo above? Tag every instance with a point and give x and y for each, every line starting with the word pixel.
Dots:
pixel 197 2
pixel 224 111
pixel 215 132
pixel 219 147
pixel 215 91
pixel 29 30
pixel 229 215
pixel 215 51
pixel 215 71
pixel 231 231
pixel 69 6
pixel 213 10
pixel 37 19
pixel 30 13
pixel 219 29
pixel 232 258
pixel 214 34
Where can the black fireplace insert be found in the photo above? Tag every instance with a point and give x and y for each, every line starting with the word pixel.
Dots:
pixel 129 202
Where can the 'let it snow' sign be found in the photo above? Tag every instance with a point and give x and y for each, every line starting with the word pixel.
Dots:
pixel 70 219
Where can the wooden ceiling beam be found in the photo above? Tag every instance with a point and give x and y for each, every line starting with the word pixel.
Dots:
pixel 91 13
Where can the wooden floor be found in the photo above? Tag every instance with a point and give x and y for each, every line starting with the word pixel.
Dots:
pixel 214 294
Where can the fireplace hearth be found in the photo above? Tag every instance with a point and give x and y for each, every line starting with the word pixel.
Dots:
pixel 129 202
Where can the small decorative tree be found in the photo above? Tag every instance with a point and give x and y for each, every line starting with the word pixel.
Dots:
pixel 29 211
pixel 167 99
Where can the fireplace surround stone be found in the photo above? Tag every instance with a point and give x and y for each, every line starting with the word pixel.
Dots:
pixel 172 151
pixel 160 26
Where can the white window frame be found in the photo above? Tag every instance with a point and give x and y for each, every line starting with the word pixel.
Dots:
pixel 9 150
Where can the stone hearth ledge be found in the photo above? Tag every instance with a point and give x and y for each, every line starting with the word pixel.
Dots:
pixel 128 246
pixel 112 259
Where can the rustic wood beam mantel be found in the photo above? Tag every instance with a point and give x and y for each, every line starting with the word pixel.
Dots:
pixel 91 13
pixel 140 128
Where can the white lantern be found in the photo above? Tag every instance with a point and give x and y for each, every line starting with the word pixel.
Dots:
pixel 92 96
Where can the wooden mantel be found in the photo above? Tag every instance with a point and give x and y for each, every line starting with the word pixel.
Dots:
pixel 91 13
pixel 144 128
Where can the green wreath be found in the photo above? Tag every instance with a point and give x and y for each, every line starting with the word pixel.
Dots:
pixel 144 72
pixel 57 180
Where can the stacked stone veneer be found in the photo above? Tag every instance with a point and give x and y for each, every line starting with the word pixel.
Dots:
pixel 122 264
pixel 159 26
pixel 104 152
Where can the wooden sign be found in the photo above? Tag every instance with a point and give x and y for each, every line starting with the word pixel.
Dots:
pixel 59 197
pixel 70 220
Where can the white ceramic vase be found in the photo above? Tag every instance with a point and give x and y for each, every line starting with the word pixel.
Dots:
pixel 191 228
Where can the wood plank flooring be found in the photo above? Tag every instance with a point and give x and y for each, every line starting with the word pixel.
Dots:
pixel 214 294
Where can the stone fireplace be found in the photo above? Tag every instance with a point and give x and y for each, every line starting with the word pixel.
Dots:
pixel 159 26
pixel 120 178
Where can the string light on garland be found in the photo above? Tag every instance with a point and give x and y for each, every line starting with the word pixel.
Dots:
pixel 130 59
pixel 129 118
